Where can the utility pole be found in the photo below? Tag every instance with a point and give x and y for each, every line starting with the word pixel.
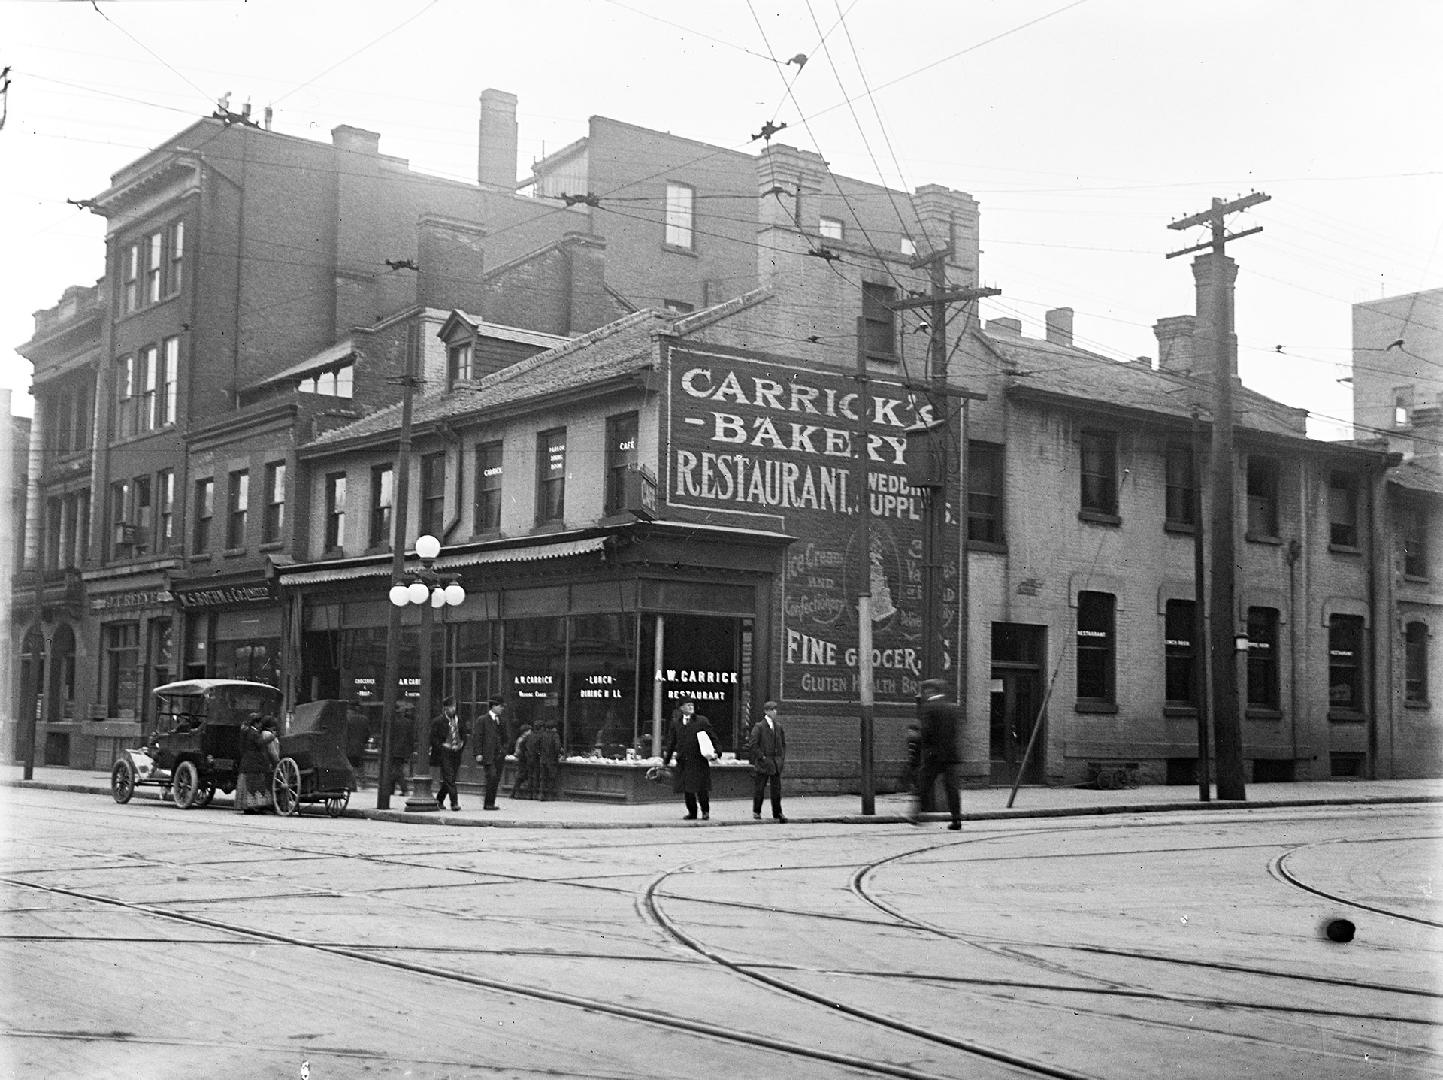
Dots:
pixel 935 508
pixel 1223 630
pixel 866 682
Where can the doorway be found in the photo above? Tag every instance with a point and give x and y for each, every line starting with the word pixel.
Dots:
pixel 1017 686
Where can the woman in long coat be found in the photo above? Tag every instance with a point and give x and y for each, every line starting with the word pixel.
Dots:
pixel 692 778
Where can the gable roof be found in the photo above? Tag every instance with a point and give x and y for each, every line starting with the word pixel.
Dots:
pixel 1046 367
pixel 620 348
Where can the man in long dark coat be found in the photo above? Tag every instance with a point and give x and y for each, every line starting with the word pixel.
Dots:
pixel 767 747
pixel 692 779
pixel 491 747
pixel 938 742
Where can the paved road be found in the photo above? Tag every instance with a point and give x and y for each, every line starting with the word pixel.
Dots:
pixel 142 941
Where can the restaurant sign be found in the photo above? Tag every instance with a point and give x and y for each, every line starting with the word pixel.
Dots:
pixel 760 436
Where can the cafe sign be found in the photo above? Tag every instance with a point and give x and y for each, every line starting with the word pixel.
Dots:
pixel 761 436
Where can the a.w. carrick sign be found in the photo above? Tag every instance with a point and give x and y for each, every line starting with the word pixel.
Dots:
pixel 759 436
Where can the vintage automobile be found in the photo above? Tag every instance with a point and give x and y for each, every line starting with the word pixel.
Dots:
pixel 195 746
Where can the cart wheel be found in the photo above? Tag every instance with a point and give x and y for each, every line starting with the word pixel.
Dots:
pixel 122 781
pixel 286 787
pixel 207 793
pixel 336 804
pixel 185 785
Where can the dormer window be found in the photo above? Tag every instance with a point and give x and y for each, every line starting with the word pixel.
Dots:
pixel 458 362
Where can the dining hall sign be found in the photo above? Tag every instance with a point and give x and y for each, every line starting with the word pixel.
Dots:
pixel 763 437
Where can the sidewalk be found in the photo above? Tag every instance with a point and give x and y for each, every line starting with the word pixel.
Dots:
pixel 977 804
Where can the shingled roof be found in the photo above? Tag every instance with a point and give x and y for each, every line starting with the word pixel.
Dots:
pixel 1067 371
pixel 620 348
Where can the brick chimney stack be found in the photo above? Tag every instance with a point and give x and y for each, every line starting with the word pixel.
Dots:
pixel 1059 326
pixel 1176 350
pixel 799 173
pixel 1208 272
pixel 496 149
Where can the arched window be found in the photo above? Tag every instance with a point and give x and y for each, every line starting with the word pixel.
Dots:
pixel 1415 663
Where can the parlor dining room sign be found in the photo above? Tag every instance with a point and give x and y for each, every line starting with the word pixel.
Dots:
pixel 760 436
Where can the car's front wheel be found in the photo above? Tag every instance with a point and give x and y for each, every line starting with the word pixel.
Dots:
pixel 122 781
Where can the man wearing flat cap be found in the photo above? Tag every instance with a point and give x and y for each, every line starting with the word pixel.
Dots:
pixel 449 733
pixel 938 741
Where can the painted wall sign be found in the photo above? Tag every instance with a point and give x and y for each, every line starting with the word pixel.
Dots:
pixel 139 598
pixel 225 596
pixel 761 436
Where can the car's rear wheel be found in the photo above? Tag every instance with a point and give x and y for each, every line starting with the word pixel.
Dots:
pixel 286 786
pixel 122 781
pixel 185 785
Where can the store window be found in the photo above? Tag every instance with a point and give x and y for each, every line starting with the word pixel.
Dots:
pixel 1180 648
pixel 1342 509
pixel 122 669
pixel 1415 663
pixel 534 656
pixel 621 458
pixel 433 494
pixel 551 476
pixel 985 492
pixel 1262 483
pixel 602 708
pixel 1263 681
pixel 1181 488
pixel 487 508
pixel 381 499
pixel 1345 665
pixel 1099 473
pixel 1095 650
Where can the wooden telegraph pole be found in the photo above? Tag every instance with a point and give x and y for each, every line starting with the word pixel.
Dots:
pixel 1223 633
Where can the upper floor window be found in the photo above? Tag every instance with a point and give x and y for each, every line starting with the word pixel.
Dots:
pixel 487 509
pixel 1345 663
pixel 679 216
pixel 1415 663
pixel 831 228
pixel 1402 406
pixel 127 405
pixel 54 516
pixel 122 529
pixel 879 321
pixel 1099 472
pixel 204 514
pixel 1180 652
pixel 458 362
pixel 240 501
pixel 1262 484
pixel 382 497
pixel 907 246
pixel 152 268
pixel 621 457
pixel 176 244
pixel 985 492
pixel 146 371
pixel 551 476
pixel 130 277
pixel 142 514
pixel 68 412
pixel 433 493
pixel 1342 509
pixel 335 537
pixel 1181 480
pixel 164 509
pixel 1096 649
pixel 275 503
pixel 154 261
pixel 1414 529
pixel 1262 673
pixel 165 383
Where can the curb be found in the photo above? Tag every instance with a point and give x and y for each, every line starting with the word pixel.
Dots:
pixel 446 821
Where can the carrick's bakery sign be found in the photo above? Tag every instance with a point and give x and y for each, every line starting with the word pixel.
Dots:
pixel 759 436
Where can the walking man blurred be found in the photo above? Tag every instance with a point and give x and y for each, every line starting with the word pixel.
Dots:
pixel 938 740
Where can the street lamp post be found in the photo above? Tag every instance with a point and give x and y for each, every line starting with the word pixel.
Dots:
pixel 431 591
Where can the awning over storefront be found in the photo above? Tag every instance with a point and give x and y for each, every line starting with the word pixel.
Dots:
pixel 527 553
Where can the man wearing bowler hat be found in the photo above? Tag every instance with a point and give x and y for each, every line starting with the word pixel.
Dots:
pixel 938 742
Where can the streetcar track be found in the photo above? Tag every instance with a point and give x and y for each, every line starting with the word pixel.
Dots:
pixel 650 1017
pixel 651 907
pixel 1280 870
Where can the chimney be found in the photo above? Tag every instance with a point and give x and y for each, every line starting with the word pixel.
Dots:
pixel 798 173
pixel 1208 271
pixel 355 140
pixel 950 217
pixel 590 303
pixel 1004 326
pixel 1175 347
pixel 1059 326
pixel 452 257
pixel 496 152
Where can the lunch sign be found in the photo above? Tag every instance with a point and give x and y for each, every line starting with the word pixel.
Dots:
pixel 769 438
